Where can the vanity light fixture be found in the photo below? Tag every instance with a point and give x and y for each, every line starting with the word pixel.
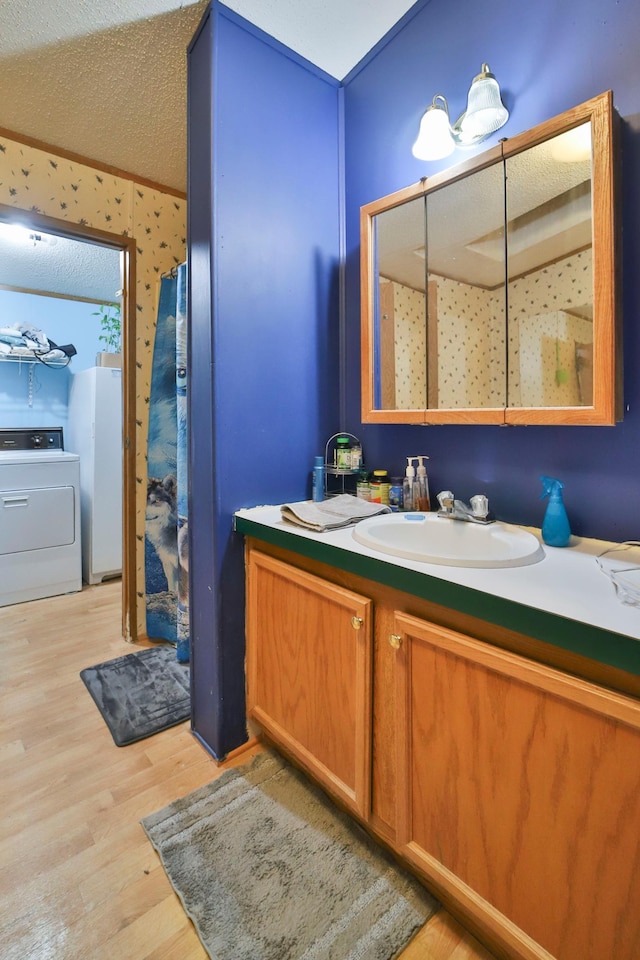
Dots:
pixel 14 232
pixel 485 113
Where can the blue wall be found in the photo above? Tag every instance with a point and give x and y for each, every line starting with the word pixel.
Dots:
pixel 547 58
pixel 276 235
pixel 264 336
pixel 63 321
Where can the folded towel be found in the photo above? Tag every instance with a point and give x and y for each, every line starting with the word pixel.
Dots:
pixel 332 513
pixel 33 337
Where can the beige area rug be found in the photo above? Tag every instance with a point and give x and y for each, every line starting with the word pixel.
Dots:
pixel 269 869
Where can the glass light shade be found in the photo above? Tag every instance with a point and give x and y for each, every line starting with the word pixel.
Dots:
pixel 485 111
pixel 434 139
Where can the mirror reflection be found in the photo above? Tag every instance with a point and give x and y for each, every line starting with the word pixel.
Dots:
pixel 400 307
pixel 443 335
pixel 466 303
pixel 550 272
pixel 440 312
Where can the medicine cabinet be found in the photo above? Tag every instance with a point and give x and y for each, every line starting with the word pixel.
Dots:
pixel 489 291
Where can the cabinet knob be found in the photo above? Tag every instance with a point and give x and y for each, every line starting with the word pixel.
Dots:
pixel 356 622
pixel 395 641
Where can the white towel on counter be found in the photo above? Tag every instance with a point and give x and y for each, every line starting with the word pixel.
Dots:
pixel 332 513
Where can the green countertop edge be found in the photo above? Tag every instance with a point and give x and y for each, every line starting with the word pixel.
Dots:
pixel 604 646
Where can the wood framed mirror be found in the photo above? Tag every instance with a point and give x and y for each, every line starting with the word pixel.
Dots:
pixel 490 291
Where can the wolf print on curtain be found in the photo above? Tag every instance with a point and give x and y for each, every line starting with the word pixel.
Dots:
pixel 165 563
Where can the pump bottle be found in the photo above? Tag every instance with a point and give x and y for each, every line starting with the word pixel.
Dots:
pixel 556 531
pixel 409 489
pixel 422 483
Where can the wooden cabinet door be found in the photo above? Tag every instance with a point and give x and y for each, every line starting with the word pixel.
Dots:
pixel 309 673
pixel 519 795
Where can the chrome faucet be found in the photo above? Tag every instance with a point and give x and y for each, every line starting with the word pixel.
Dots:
pixel 454 509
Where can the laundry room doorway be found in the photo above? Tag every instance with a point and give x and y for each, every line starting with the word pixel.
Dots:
pixel 84 280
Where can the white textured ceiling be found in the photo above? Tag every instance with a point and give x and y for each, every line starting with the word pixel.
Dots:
pixel 59 265
pixel 107 79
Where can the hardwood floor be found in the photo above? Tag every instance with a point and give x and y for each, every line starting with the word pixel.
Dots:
pixel 78 877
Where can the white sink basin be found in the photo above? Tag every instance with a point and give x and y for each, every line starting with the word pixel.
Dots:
pixel 453 543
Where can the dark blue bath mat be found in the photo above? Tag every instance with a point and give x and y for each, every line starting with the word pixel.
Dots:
pixel 141 693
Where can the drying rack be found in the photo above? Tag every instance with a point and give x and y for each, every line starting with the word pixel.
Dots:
pixel 31 357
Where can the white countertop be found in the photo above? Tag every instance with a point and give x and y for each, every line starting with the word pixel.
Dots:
pixel 567 581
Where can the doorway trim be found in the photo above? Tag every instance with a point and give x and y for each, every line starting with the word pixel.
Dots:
pixel 127 246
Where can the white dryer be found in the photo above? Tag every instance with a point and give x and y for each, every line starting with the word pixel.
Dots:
pixel 40 545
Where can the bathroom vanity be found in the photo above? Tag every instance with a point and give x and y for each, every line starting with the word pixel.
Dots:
pixel 484 724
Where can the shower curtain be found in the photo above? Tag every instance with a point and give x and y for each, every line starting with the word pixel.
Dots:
pixel 166 560
pixel 181 411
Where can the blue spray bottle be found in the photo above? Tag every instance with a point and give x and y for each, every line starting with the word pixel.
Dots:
pixel 555 527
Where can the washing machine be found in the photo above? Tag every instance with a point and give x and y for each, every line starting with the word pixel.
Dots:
pixel 40 545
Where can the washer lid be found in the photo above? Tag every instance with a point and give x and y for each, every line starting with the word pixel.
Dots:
pixel 36 456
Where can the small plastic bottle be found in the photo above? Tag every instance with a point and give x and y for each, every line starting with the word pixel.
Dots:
pixel 396 497
pixel 356 455
pixel 317 480
pixel 556 531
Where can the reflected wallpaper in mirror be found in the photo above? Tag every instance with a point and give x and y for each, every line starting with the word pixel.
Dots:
pixel 549 264
pixel 441 340
pixel 400 308
pixel 467 307
pixel 442 312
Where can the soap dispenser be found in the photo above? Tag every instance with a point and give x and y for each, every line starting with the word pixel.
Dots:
pixel 422 483
pixel 409 487
pixel 556 531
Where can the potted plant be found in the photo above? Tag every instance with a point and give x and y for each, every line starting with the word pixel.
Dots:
pixel 110 335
